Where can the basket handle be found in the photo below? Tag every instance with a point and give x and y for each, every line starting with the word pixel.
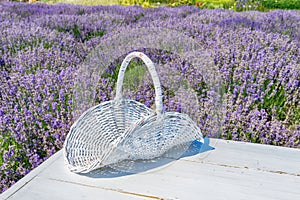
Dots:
pixel 154 75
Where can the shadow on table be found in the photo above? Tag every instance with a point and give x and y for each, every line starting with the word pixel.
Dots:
pixel 127 167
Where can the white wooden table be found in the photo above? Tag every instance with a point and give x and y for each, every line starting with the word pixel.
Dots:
pixel 232 170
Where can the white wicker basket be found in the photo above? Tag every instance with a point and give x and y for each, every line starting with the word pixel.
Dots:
pixel 126 129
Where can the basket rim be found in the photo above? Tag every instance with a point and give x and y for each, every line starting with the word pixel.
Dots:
pixel 152 70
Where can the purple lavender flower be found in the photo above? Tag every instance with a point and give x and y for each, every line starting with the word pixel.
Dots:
pixel 42 47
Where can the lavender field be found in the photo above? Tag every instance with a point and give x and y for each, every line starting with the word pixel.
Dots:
pixel 42 48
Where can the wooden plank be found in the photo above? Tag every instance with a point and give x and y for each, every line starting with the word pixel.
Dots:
pixel 29 177
pixel 233 170
pixel 45 189
pixel 248 155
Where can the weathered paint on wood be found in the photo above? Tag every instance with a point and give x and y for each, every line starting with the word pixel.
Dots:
pixel 232 170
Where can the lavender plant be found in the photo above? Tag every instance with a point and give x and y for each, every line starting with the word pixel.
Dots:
pixel 42 48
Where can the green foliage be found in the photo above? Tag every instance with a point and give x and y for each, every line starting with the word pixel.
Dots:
pixel 264 5
pixel 237 5
pixel 281 4
pixel 275 103
pixel 275 98
pixel 143 3
pixel 134 74
pixel 181 2
pixel 246 5
pixel 6 142
pixel 214 4
pixel 210 4
pixel 135 71
pixel 84 2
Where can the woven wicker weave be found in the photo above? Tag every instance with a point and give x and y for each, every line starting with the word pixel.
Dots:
pixel 126 129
